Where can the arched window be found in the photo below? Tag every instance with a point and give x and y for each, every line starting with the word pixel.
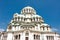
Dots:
pixel 16 37
pixel 24 19
pixel 37 19
pixel 50 37
pixel 15 18
pixel 38 37
pixel 19 36
pixel 47 28
pixel 31 19
pixel 34 19
pixel 18 18
pixel 43 28
pixel 24 10
pixel 26 33
pixel 27 10
pixel 9 27
pixel 34 36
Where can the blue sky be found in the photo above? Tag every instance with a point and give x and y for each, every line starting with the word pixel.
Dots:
pixel 48 9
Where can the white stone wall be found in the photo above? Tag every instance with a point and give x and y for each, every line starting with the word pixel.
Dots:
pixel 9 36
pixel 31 36
pixel 22 36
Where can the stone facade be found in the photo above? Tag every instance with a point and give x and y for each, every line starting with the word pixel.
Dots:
pixel 28 26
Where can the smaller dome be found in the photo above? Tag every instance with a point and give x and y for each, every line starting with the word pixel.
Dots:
pixel 16 14
pixel 36 16
pixel 44 24
pixel 29 10
pixel 21 15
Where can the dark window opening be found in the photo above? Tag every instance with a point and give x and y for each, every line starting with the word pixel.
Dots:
pixel 26 38
pixel 16 37
pixel 19 36
pixel 34 36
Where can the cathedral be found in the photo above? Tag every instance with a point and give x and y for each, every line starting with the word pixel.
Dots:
pixel 28 26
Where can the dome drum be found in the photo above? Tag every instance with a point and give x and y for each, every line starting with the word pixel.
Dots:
pixel 28 10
